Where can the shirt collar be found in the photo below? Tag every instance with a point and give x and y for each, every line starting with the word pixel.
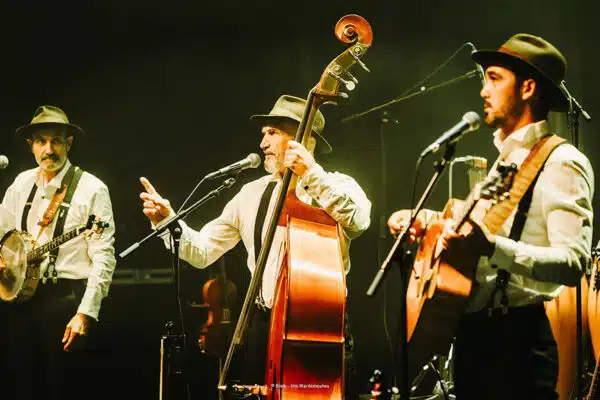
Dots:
pixel 524 137
pixel 54 182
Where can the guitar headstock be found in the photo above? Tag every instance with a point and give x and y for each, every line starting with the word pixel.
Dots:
pixel 352 29
pixel 496 187
pixel 95 226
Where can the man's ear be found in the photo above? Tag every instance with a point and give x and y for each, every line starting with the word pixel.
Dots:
pixel 69 142
pixel 30 143
pixel 528 89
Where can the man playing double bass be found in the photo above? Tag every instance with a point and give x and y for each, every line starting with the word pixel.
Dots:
pixel 338 194
pixel 504 347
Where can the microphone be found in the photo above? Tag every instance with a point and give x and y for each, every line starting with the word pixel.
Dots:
pixel 468 123
pixel 3 162
pixel 252 161
pixel 472 161
pixel 478 67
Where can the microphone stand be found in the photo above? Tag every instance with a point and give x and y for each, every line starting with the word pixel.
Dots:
pixel 173 340
pixel 422 90
pixel 402 256
pixel 573 114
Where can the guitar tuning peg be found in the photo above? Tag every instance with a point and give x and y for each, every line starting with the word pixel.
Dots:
pixel 343 95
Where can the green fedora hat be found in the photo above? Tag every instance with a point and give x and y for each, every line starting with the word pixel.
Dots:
pixel 290 108
pixel 48 117
pixel 531 56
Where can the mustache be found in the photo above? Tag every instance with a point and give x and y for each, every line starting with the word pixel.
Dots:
pixel 52 157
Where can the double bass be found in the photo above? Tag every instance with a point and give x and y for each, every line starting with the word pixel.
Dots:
pixel 305 358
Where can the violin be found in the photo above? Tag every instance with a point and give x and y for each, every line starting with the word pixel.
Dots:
pixel 219 295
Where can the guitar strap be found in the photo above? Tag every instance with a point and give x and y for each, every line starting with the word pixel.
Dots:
pixel 261 215
pixel 520 194
pixel 523 179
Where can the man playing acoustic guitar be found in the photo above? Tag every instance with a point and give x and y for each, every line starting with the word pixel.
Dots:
pixel 504 347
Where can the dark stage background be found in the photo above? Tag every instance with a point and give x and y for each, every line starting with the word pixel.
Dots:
pixel 165 89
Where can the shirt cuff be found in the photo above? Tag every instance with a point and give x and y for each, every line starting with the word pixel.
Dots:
pixel 90 303
pixel 310 181
pixel 504 253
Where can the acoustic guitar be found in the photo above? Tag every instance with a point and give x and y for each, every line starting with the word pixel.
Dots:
pixel 441 280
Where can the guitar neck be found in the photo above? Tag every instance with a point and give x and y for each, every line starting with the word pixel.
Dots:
pixel 53 244
pixel 462 216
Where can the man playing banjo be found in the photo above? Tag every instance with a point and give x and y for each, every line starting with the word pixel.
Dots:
pixel 49 304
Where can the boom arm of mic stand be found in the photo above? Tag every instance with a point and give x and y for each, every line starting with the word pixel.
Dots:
pixel 169 223
pixel 401 239
pixel 422 90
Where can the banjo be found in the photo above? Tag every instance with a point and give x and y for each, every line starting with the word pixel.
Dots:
pixel 20 261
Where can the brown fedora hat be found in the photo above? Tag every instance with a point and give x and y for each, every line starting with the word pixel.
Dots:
pixel 531 56
pixel 291 108
pixel 48 117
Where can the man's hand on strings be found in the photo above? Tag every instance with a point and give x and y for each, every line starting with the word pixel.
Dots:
pixel 75 331
pixel 298 158
pixel 156 208
pixel 399 220
pixel 473 236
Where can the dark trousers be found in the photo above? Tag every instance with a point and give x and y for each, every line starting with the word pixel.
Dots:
pixel 254 355
pixel 506 356
pixel 32 361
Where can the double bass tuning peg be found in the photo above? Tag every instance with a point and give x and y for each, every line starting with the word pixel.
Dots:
pixel 350 82
pixel 356 57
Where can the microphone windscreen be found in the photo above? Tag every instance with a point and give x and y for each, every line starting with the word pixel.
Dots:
pixel 254 160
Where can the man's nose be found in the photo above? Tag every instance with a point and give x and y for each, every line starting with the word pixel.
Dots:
pixel 264 144
pixel 48 148
pixel 484 92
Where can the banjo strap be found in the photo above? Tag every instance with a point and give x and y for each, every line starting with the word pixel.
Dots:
pixel 60 202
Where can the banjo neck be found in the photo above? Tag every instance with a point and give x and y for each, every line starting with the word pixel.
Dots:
pixel 38 252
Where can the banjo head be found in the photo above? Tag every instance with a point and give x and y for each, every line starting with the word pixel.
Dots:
pixel 13 249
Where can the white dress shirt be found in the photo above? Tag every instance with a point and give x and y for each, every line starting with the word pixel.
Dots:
pixel 339 195
pixel 82 257
pixel 555 245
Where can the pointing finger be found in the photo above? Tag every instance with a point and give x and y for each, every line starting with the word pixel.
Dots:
pixel 147 185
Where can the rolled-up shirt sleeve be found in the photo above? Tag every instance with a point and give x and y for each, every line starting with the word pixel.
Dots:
pixel 204 247
pixel 102 255
pixel 341 197
pixel 566 189
pixel 7 211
